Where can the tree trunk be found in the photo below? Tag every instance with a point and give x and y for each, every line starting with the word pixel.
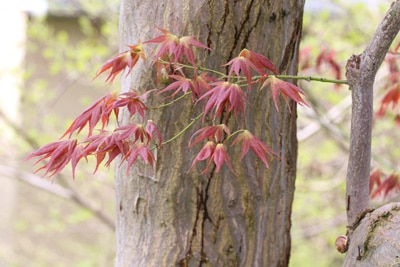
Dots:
pixel 375 241
pixel 373 236
pixel 174 218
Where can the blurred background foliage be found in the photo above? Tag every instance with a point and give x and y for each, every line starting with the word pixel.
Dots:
pixel 66 222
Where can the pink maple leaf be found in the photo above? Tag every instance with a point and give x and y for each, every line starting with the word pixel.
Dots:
pixel 132 101
pixel 59 154
pixel 390 184
pixel 213 133
pixel 142 151
pixel 286 89
pixel 375 179
pixel 392 98
pixel 224 95
pixel 99 110
pixel 248 61
pixel 220 156
pixel 175 46
pixel 126 59
pixel 205 153
pixel 249 141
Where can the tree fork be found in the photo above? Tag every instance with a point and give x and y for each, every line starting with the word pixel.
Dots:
pixel 360 72
pixel 363 221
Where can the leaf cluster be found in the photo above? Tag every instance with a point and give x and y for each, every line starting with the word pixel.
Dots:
pixel 219 94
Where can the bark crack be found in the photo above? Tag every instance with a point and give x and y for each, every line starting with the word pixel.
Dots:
pixel 201 216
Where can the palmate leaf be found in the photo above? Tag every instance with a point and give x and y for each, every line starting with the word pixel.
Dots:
pixel 58 154
pixel 246 62
pixel 140 150
pixel 132 101
pixel 223 96
pixel 286 89
pixel 391 99
pixel 175 47
pixel 123 60
pixel 383 187
pixel 212 152
pixel 98 111
pixel 249 141
pixel 213 133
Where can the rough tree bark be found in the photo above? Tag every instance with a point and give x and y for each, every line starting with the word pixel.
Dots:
pixel 178 219
pixel 368 246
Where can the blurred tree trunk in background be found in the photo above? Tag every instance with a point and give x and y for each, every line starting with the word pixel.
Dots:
pixel 176 218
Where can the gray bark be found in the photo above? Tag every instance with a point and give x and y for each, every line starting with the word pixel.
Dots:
pixel 360 73
pixel 376 240
pixel 178 219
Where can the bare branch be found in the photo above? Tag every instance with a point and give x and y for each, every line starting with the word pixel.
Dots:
pixel 360 73
pixel 61 191
pixel 65 190
pixel 35 181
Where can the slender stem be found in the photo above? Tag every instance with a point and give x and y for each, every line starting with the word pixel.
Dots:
pixel 311 78
pixel 183 130
pixel 233 134
pixel 191 67
pixel 293 77
pixel 172 102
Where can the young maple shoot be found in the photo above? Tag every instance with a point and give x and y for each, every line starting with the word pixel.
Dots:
pixel 219 94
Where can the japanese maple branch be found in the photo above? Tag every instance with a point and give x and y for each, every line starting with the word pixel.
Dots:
pixel 255 78
pixel 360 72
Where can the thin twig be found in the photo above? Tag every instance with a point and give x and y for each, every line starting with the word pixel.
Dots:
pixel 73 195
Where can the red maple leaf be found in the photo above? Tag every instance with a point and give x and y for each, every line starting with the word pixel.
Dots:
pixel 138 132
pixel 133 102
pixel 224 95
pixel 248 61
pixel 213 133
pixel 390 184
pixel 197 86
pixel 126 59
pixel 391 97
pixel 181 84
pixel 249 141
pixel 99 110
pixel 59 154
pixel 175 46
pixel 213 153
pixel 375 179
pixel 133 131
pixel 286 89
pixel 201 83
pixel 104 144
pixel 151 129
pixel 142 151
pixel 220 156
pixel 305 58
pixel 328 56
pixel 205 153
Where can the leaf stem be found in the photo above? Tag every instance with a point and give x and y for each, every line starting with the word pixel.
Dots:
pixel 233 134
pixel 183 130
pixel 170 103
pixel 191 67
pixel 294 77
pixel 311 78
